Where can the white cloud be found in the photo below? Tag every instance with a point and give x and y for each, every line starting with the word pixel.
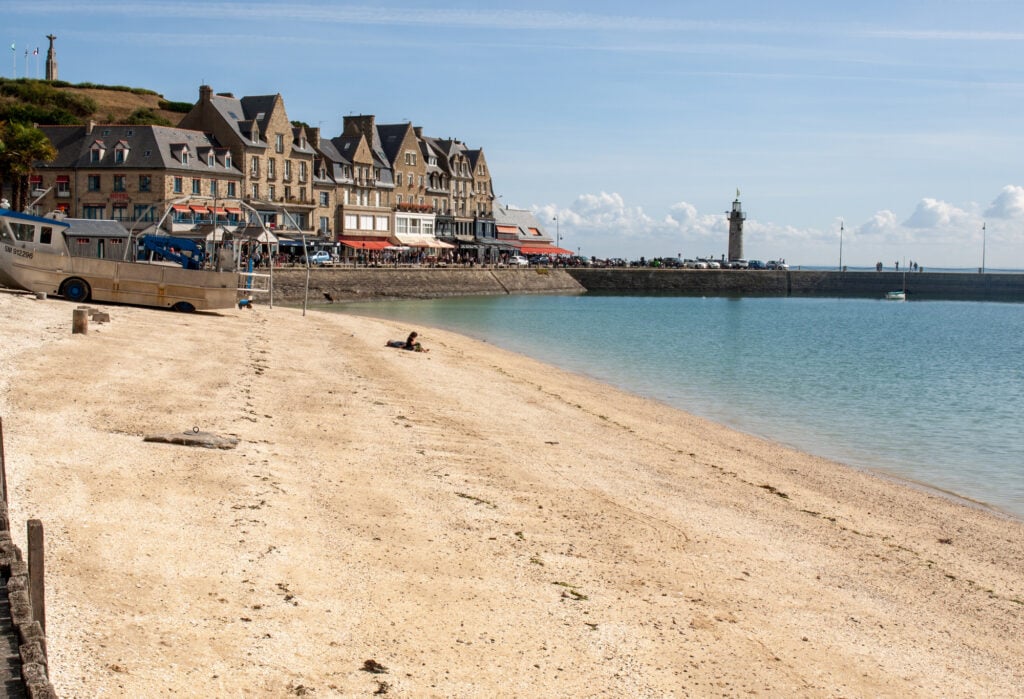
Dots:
pixel 1009 204
pixel 944 234
pixel 936 214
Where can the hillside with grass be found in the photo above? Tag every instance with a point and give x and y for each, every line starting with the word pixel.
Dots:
pixel 42 102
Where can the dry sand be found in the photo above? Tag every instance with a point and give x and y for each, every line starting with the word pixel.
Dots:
pixel 478 523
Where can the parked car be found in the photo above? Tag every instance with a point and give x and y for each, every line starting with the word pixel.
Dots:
pixel 755 264
pixel 321 257
pixel 739 264
pixel 518 261
pixel 776 264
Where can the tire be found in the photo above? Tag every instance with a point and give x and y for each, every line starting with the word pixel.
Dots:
pixel 183 307
pixel 76 290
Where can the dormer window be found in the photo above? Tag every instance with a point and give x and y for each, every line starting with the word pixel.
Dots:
pixel 279 143
pixel 211 160
pixel 121 152
pixel 96 152
pixel 227 160
pixel 184 156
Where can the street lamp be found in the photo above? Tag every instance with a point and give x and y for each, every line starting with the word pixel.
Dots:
pixel 982 270
pixel 840 246
pixel 558 237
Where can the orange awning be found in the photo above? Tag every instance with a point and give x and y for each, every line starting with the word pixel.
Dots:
pixel 543 250
pixel 232 210
pixel 367 244
pixel 199 209
pixel 220 211
pixel 181 209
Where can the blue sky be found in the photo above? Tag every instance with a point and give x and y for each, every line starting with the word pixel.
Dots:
pixel 635 123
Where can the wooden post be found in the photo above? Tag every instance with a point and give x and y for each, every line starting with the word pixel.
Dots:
pixel 80 321
pixel 36 572
pixel 3 466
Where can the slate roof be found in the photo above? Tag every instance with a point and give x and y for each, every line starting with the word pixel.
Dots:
pixel 523 220
pixel 148 147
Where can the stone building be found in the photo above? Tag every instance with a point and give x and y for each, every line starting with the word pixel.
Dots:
pixel 132 173
pixel 276 158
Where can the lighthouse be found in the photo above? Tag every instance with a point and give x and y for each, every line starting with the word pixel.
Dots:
pixel 736 218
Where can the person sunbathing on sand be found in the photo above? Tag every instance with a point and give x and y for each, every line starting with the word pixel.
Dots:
pixel 410 343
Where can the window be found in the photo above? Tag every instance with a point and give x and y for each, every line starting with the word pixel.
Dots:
pixel 92 211
pixel 345 197
pixel 254 167
pixel 287 193
pixel 302 171
pixel 325 224
pixel 144 212
pixel 210 159
pixel 213 188
pixel 63 186
pixel 273 192
pixel 231 190
pixel 427 227
pixel 119 155
pixel 325 199
pixel 178 184
pixel 401 225
pixel 227 160
pixel 287 169
pixel 184 156
pixel 95 154
pixel 93 183
pixel 366 223
pixel 120 212
pixel 119 183
pixel 398 176
pixel 145 183
pixel 255 191
pixel 197 185
pixel 46 235
pixel 279 143
pixel 398 199
pixel 270 168
pixel 350 222
pixel 382 223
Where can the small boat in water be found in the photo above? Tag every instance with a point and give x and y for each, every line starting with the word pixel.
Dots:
pixel 895 296
pixel 82 259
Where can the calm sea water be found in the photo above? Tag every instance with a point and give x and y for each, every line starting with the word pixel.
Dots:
pixel 928 391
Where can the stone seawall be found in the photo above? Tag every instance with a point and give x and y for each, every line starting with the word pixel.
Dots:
pixel 919 285
pixel 385 282
pixel 380 282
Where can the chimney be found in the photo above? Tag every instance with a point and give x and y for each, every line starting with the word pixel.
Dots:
pixel 313 132
pixel 363 124
pixel 205 93
pixel 89 127
pixel 418 130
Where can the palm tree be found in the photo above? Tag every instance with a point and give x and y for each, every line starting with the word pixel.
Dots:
pixel 21 146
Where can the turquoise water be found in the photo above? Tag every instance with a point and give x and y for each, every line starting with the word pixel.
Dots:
pixel 928 391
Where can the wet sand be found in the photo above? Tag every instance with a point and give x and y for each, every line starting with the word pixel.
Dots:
pixel 476 522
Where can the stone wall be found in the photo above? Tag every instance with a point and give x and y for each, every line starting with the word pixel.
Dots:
pixel 919 285
pixel 385 282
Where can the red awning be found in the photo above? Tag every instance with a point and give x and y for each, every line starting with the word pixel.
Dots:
pixel 232 210
pixel 507 229
pixel 63 178
pixel 180 208
pixel 543 250
pixel 199 209
pixel 220 211
pixel 367 244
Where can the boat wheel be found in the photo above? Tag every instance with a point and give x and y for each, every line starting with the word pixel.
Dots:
pixel 75 289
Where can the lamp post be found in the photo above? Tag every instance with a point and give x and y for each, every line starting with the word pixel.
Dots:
pixel 558 237
pixel 840 246
pixel 982 270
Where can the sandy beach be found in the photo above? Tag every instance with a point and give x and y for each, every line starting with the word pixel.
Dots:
pixel 471 522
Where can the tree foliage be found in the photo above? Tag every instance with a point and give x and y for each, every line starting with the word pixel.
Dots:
pixel 21 146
